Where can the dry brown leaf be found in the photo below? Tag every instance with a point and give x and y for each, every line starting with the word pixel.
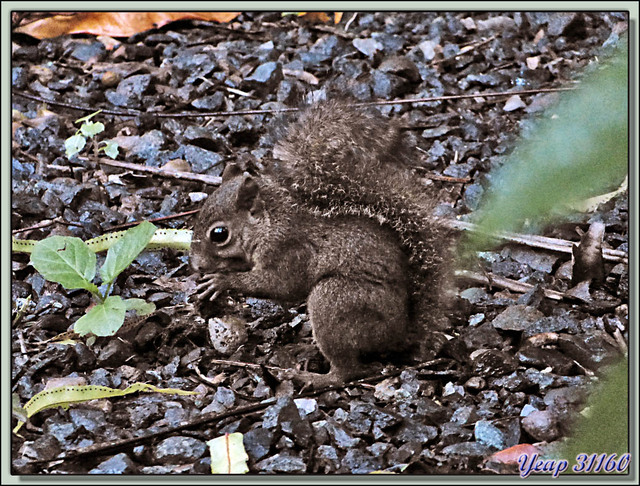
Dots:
pixel 316 17
pixel 113 24
pixel 511 454
pixel 337 17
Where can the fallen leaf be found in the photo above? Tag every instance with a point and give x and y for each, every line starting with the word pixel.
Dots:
pixel 319 17
pixel 539 36
pixel 228 455
pixel 591 204
pixel 514 103
pixel 177 165
pixel 511 454
pixel 113 24
pixel 532 62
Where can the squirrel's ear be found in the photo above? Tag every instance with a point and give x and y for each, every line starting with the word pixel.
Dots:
pixel 230 171
pixel 247 192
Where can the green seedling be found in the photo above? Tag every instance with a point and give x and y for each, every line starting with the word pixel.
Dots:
pixel 70 262
pixel 88 130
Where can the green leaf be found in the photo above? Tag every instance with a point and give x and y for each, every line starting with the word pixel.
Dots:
pixel 110 148
pixel 66 260
pixel 74 144
pixel 125 250
pixel 228 455
pixel 89 128
pixel 103 319
pixel 141 306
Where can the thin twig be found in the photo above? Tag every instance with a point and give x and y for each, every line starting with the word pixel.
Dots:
pixel 350 21
pixel 469 48
pixel 436 177
pixel 154 220
pixel 506 283
pixel 215 180
pixel 132 113
pixel 536 241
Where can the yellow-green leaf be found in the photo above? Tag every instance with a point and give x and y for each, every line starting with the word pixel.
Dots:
pixel 65 395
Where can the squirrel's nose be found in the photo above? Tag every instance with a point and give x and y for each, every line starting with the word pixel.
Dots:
pixel 196 263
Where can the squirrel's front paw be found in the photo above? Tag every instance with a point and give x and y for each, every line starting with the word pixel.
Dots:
pixel 211 286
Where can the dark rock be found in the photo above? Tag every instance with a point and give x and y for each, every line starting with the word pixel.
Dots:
pixel 540 378
pixel 513 382
pixel 282 463
pixel 130 90
pixel 387 85
pixel 201 466
pixel 400 66
pixel 144 415
pixel 492 362
pixel 213 102
pixel 43 448
pixel 556 323
pixel 114 353
pixel 91 419
pixel 202 160
pixel 487 433
pixel 357 461
pixel 432 412
pixel 591 350
pixel 538 259
pixel 543 358
pixel 517 318
pixel 569 24
pixel 146 336
pixel 464 415
pixel 266 77
pixel 451 433
pixel 326 459
pixel 472 450
pixel 179 450
pixel 473 195
pixel 118 464
pixel 415 431
pixel 338 435
pixel 258 442
pixel 285 415
pixel 542 425
pixel 86 51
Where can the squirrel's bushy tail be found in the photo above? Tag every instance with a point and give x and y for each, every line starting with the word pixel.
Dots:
pixel 337 159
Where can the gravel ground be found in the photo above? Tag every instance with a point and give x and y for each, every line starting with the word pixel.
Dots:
pixel 518 366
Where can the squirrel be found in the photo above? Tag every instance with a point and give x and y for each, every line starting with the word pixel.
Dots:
pixel 337 218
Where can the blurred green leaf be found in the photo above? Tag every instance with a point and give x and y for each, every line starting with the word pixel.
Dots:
pixel 88 117
pixel 74 144
pixel 606 427
pixel 581 151
pixel 110 148
pixel 141 306
pixel 89 128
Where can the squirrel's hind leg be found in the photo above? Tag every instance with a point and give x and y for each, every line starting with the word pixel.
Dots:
pixel 351 319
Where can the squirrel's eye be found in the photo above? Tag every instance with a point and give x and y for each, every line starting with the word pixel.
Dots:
pixel 219 234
